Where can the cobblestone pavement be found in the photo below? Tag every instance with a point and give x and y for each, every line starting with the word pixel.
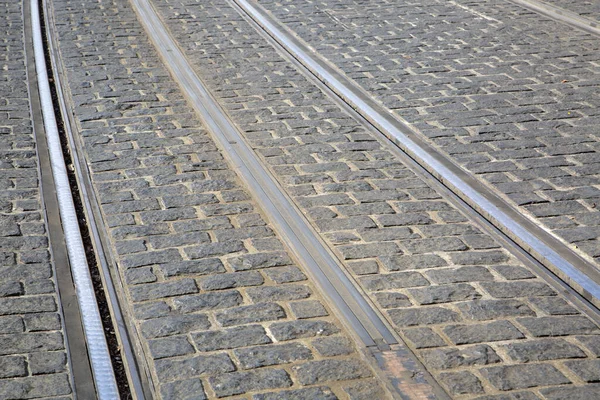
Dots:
pixel 509 95
pixel 220 307
pixel 33 359
pixel 483 324
pixel 586 8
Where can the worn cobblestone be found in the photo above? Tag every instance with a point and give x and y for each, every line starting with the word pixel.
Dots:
pixel 33 358
pixel 516 107
pixel 305 139
pixel 214 295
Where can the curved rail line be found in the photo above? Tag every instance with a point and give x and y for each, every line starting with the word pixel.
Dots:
pixel 104 378
pixel 546 248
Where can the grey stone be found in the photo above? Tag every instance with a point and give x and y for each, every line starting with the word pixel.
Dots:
pixel 423 338
pixel 11 324
pixel 151 310
pixel 420 246
pixel 189 389
pixel 174 325
pixel 47 362
pixel 278 293
pixel 169 369
pixel 365 390
pixel 461 383
pixel 192 267
pixel 232 338
pixel 23 305
pixel 242 382
pixel 150 258
pixel 359 251
pixel 214 249
pixel 417 261
pixel 587 392
pixel 37 386
pixel 259 260
pixel 139 275
pixel 170 347
pixel 30 342
pixel 333 346
pixel 479 333
pixel 308 309
pixel 542 350
pixel 396 280
pixel 42 322
pixel 262 356
pixel 285 274
pixel 444 294
pixel 461 274
pixel 151 291
pixel 392 299
pixel 252 313
pixel 480 257
pixel 512 272
pixel 231 280
pixel 512 377
pixel 493 309
pixel 315 372
pixel 13 366
pixel 553 305
pixel 422 316
pixel 517 289
pixel 586 370
pixel 302 329
pixel 208 301
pixel 313 393
pixel 559 326
pixel 449 358
pixel 364 267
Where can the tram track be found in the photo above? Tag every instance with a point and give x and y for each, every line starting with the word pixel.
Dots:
pixel 357 311
pixel 104 344
pixel 541 249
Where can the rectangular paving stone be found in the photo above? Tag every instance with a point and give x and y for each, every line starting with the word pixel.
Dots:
pixel 513 377
pixel 480 333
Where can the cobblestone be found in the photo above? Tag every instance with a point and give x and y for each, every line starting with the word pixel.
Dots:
pixel 33 358
pixel 215 297
pixel 436 247
pixel 520 117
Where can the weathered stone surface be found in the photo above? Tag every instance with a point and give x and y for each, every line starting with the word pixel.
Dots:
pixel 302 329
pixel 314 372
pixel 423 338
pixel 47 362
pixel 313 393
pixel 208 301
pixel 586 370
pixel 393 281
pixel 558 326
pixel 30 342
pixel 308 309
pixel 170 347
pixel 259 260
pixel 512 377
pixel 150 291
pixel 422 316
pixel 444 294
pixel 447 358
pixel 542 350
pixel 364 390
pixel 333 346
pixel 172 369
pixel 240 336
pixel 278 293
pixel 231 280
pixel 589 391
pixel 13 366
pixel 255 357
pixel 189 389
pixel 243 382
pixel 174 325
pixel 248 314
pixel 479 333
pixel 482 310
pixel 461 383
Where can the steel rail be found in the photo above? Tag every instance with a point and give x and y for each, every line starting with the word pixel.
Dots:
pixel 545 247
pixel 400 367
pixel 104 378
pixel 137 379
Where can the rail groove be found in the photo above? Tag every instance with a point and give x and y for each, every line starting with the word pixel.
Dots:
pixel 355 310
pixel 136 373
pixel 101 365
pixel 482 203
